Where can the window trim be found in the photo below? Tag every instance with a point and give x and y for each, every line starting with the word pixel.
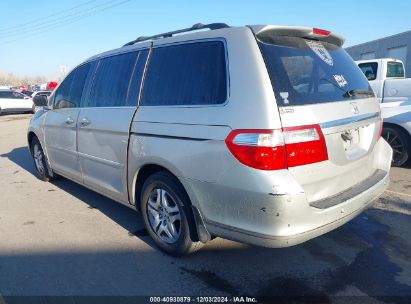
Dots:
pixel 227 71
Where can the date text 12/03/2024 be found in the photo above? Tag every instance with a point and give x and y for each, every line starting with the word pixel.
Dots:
pixel 238 299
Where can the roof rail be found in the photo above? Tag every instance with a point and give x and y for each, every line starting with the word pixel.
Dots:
pixel 195 27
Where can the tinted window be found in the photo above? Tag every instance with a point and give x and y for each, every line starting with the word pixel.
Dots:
pixel 70 91
pixel 17 95
pixel 369 69
pixel 62 99
pixel 112 80
pixel 5 94
pixel 134 91
pixel 77 87
pixel 304 71
pixel 395 69
pixel 186 74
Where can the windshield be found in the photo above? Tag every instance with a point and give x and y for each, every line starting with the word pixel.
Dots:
pixel 304 71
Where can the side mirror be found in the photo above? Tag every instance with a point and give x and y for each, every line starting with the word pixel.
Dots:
pixel 40 100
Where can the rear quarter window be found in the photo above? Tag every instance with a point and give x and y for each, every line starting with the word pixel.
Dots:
pixel 186 74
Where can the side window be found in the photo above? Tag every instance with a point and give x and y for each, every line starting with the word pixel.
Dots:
pixel 70 91
pixel 77 86
pixel 62 96
pixel 369 69
pixel 16 95
pixel 135 84
pixel 112 80
pixel 186 74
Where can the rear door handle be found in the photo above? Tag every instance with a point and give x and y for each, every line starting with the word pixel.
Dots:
pixel 69 121
pixel 85 122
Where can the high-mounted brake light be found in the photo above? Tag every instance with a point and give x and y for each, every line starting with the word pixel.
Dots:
pixel 320 32
pixel 278 149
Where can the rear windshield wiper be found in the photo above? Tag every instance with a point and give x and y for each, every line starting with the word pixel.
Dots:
pixel 358 92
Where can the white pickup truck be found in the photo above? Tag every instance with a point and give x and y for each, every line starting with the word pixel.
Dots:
pixel 387 78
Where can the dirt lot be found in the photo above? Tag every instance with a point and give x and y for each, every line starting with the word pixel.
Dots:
pixel 62 239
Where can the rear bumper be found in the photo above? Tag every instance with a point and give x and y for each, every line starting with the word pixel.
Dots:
pixel 271 209
pixel 346 211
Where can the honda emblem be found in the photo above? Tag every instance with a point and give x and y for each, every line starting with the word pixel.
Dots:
pixel 354 109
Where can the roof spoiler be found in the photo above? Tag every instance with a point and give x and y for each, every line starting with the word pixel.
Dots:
pixel 264 32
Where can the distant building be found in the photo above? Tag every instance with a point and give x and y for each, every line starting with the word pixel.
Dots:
pixel 397 46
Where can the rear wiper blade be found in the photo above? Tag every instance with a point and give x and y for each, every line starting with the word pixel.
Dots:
pixel 358 92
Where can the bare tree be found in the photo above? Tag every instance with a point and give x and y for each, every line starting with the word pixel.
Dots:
pixel 13 80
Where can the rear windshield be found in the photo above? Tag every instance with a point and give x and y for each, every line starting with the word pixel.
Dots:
pixel 304 71
pixel 395 69
pixel 369 69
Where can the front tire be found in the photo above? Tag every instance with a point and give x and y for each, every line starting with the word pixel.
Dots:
pixel 166 213
pixel 40 162
pixel 399 140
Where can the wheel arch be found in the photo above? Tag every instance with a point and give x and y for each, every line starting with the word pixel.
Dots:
pixel 30 136
pixel 198 231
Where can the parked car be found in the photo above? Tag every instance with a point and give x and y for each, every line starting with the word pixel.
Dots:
pixel 393 90
pixel 268 135
pixel 13 102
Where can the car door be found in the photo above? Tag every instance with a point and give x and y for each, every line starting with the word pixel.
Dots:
pixel 60 126
pixel 104 123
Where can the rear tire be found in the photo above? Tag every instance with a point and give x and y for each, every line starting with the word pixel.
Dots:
pixel 40 161
pixel 399 140
pixel 166 213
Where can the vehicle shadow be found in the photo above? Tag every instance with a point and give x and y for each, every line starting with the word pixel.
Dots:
pixel 126 217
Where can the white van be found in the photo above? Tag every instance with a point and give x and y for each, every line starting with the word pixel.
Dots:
pixel 269 135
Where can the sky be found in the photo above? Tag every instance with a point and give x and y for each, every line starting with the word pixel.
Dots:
pixel 38 37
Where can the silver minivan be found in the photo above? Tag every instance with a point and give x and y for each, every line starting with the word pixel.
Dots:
pixel 268 135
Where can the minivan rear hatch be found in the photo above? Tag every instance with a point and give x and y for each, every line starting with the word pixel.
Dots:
pixel 321 92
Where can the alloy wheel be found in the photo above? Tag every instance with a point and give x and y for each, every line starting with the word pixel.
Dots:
pixel 164 216
pixel 38 158
pixel 398 147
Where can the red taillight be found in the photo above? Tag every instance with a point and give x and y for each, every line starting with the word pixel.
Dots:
pixel 320 32
pixel 381 126
pixel 259 149
pixel 278 149
pixel 304 145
